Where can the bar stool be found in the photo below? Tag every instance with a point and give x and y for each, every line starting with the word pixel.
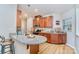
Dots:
pixel 7 46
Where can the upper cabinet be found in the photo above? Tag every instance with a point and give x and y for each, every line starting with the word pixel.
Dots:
pixel 43 22
pixel 48 22
pixel 36 21
pixel 18 20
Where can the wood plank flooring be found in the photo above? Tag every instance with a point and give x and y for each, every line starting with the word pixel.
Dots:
pixel 47 48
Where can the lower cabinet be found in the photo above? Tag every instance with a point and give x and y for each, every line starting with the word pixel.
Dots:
pixel 58 38
pixel 55 37
pixel 47 35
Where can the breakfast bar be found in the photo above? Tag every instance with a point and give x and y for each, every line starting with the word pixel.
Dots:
pixel 29 42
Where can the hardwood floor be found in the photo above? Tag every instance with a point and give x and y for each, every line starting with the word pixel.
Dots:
pixel 48 48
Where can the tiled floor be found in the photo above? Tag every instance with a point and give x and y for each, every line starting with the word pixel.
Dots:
pixel 48 48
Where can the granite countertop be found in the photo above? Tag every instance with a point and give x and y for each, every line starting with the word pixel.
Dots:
pixel 25 40
pixel 51 32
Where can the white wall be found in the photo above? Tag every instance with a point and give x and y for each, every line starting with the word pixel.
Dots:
pixel 29 24
pixel 7 19
pixel 57 17
pixel 77 21
pixel 24 26
pixel 77 29
pixel 70 34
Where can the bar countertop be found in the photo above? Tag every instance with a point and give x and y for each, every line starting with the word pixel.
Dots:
pixel 25 40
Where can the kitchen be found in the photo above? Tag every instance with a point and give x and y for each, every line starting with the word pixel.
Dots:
pixel 49 26
pixel 44 28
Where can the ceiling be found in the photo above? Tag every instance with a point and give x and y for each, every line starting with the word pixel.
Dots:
pixel 43 9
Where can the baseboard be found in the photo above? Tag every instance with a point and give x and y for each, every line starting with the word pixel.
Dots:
pixel 73 48
pixel 70 46
pixel 75 51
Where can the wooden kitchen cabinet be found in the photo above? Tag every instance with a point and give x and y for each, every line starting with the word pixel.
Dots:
pixel 57 38
pixel 34 48
pixel 54 38
pixel 36 21
pixel 18 19
pixel 63 38
pixel 48 22
pixel 43 22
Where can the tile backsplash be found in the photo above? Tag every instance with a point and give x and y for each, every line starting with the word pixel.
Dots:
pixel 50 29
pixel 45 29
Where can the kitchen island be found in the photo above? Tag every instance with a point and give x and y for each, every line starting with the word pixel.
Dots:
pixel 25 41
pixel 56 38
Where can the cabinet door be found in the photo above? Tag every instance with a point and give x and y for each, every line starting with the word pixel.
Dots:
pixel 18 19
pixel 42 22
pixel 48 22
pixel 49 38
pixel 60 38
pixel 54 38
pixel 36 22
pixel 45 22
pixel 64 38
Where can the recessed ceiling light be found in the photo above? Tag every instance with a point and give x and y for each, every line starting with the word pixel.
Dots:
pixel 36 10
